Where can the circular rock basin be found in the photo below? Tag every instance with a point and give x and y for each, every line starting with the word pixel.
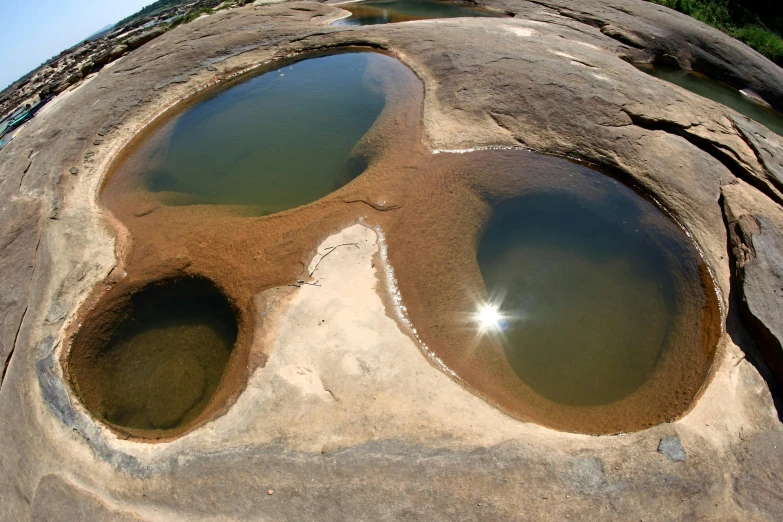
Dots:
pixel 595 297
pixel 556 292
pixel 272 142
pixel 588 292
pixel 587 308
pixel 154 360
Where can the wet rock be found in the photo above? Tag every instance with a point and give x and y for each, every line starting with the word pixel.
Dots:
pixel 672 449
pixel 137 41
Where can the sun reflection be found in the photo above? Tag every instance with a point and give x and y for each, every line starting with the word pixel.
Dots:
pixel 489 322
pixel 489 317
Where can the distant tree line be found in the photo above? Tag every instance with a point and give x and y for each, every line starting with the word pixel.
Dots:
pixel 758 23
pixel 150 9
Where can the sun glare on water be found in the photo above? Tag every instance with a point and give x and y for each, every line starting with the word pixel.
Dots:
pixel 489 317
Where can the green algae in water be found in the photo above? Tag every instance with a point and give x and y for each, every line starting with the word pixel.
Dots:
pixel 394 11
pixel 589 289
pixel 277 141
pixel 164 363
pixel 720 92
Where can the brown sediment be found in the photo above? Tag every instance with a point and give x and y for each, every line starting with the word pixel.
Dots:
pixel 432 209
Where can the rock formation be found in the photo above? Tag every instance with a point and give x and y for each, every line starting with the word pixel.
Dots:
pixel 348 419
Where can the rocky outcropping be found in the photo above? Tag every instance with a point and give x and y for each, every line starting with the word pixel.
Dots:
pixel 74 64
pixel 653 33
pixel 756 239
pixel 135 42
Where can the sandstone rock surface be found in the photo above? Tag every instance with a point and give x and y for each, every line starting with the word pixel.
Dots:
pixel 365 427
pixel 651 32
pixel 756 237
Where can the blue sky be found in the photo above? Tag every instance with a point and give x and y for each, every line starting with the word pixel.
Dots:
pixel 32 31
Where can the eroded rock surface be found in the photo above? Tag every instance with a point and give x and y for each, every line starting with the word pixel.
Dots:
pixel 646 31
pixel 768 147
pixel 755 227
pixel 362 426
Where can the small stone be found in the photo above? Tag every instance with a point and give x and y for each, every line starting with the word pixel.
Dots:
pixel 671 447
pixel 74 171
pixel 269 492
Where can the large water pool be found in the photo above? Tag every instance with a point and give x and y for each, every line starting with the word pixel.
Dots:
pixel 277 141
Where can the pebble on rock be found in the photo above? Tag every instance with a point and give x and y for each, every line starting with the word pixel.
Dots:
pixel 672 448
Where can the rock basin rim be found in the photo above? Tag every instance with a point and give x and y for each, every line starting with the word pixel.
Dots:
pixel 228 394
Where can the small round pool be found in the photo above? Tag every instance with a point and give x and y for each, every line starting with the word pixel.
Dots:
pixel 153 360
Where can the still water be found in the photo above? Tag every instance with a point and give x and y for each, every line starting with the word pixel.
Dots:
pixel 720 92
pixel 588 289
pixel 393 11
pixel 274 142
pixel 164 362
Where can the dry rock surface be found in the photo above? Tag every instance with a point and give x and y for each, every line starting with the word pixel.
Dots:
pixel 348 419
